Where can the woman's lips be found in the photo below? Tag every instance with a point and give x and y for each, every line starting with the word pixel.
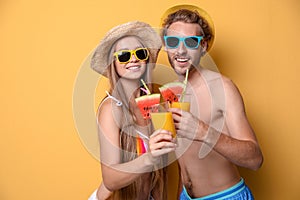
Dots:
pixel 133 67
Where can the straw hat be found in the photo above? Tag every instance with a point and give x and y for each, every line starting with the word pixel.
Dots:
pixel 147 35
pixel 200 11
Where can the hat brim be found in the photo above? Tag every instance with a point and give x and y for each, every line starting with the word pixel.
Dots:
pixel 144 32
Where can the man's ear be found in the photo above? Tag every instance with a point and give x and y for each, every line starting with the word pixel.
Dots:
pixel 204 47
pixel 165 48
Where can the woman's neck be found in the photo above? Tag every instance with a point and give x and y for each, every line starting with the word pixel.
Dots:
pixel 131 88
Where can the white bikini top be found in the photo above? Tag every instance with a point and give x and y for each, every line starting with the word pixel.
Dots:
pixel 118 102
pixel 142 136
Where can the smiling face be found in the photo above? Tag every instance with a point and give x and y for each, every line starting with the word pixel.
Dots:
pixel 183 58
pixel 135 68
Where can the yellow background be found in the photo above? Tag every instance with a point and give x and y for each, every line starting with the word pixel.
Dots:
pixel 42 47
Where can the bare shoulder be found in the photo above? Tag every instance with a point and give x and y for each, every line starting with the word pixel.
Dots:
pixel 223 87
pixel 107 112
pixel 234 99
pixel 230 87
pixel 209 75
pixel 105 108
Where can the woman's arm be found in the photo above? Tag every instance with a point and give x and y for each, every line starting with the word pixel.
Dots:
pixel 103 193
pixel 115 174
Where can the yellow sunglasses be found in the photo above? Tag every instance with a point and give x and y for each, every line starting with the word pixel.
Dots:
pixel 124 56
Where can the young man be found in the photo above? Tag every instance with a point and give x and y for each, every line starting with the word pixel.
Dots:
pixel 215 136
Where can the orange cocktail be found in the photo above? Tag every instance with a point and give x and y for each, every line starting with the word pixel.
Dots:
pixel 182 105
pixel 163 120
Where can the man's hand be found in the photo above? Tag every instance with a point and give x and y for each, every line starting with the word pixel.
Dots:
pixel 188 126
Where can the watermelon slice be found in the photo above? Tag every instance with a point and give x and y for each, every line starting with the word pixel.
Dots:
pixel 145 102
pixel 169 91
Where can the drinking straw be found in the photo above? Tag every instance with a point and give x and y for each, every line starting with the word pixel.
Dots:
pixel 148 91
pixel 144 90
pixel 184 87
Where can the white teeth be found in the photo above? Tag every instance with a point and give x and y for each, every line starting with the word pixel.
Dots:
pixel 182 59
pixel 133 67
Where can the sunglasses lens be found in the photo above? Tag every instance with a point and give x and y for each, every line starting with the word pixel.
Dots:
pixel 172 42
pixel 124 56
pixel 141 54
pixel 192 42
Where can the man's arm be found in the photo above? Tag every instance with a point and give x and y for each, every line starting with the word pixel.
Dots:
pixel 238 144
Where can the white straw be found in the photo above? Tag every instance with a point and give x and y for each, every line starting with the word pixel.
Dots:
pixel 184 87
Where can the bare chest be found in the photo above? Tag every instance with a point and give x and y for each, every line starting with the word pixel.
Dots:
pixel 208 105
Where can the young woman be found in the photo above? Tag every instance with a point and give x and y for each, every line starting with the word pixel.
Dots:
pixel 126 55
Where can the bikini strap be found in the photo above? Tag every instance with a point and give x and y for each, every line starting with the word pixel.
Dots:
pixel 118 102
pixel 142 135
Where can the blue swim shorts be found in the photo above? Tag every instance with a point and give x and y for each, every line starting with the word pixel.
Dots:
pixel 239 191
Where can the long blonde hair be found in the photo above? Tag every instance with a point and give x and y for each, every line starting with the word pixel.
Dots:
pixel 128 132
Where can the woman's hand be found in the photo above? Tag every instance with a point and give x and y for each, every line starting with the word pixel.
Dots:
pixel 161 142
